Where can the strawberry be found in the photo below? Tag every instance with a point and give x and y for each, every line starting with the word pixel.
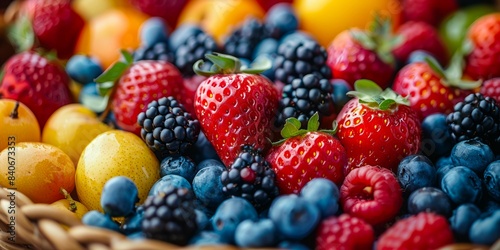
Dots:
pixel 190 85
pixel 429 11
pixel 234 106
pixel 135 84
pixel 344 233
pixel 305 154
pixel 377 127
pixel 37 82
pixel 491 88
pixel 419 36
pixel 484 55
pixel 168 10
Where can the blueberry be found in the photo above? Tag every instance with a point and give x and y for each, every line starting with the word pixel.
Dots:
pixel 230 214
pixel 207 186
pixel 339 95
pixel 429 199
pixel 201 219
pixel 294 216
pixel 169 180
pixel 119 196
pixel 418 56
pixel 178 165
pixel 462 219
pixel 268 46
pixel 324 194
pixel 207 238
pixel 488 205
pixel 132 223
pixel 443 161
pixel 292 245
pixel 473 154
pixel 153 31
pixel 441 171
pixel 281 19
pixel 462 185
pixel 210 163
pixel 486 229
pixel 491 180
pixel 83 69
pixel 91 99
pixel 414 172
pixel 297 36
pixel 202 150
pixel 95 218
pixel 137 236
pixel 261 233
pixel 436 138
pixel 182 33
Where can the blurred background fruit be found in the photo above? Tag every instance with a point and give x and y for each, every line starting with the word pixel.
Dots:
pixel 89 9
pixel 168 10
pixel 17 120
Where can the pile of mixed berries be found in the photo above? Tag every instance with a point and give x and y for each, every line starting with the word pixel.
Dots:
pixel 272 140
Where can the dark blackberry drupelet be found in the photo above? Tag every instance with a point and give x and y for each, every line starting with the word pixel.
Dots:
pixel 251 177
pixel 305 96
pixel 158 51
pixel 193 49
pixel 243 40
pixel 297 58
pixel 170 216
pixel 476 116
pixel 167 128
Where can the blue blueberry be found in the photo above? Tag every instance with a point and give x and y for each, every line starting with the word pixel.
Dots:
pixel 441 171
pixel 418 56
pixel 210 163
pixel 202 150
pixel 290 245
pixel 95 218
pixel 462 185
pixel 201 219
pixel 137 236
pixel 167 181
pixel 178 165
pixel 119 196
pixel 462 219
pixel 230 214
pixel 488 205
pixel 132 224
pixel 414 172
pixel 281 19
pixel 340 89
pixel 207 238
pixel 207 186
pixel 473 154
pixel 324 194
pixel 436 138
pixel 443 161
pixel 294 216
pixel 153 31
pixel 486 229
pixel 181 33
pixel 491 180
pixel 261 233
pixel 83 69
pixel 268 46
pixel 297 36
pixel 429 199
pixel 90 98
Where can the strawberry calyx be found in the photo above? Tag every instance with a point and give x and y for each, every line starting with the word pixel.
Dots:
pixel 227 64
pixel 370 94
pixel 292 128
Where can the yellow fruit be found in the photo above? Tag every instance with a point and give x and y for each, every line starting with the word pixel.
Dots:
pixel 37 170
pixel 89 9
pixel 71 128
pixel 111 154
pixel 16 128
pixel 75 207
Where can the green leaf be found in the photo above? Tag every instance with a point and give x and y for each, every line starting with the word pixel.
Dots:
pixel 431 61
pixel 367 87
pixel 313 123
pixel 129 59
pixel 386 104
pixel 21 34
pixel 259 65
pixel 198 69
pixel 105 88
pixel 96 103
pixel 225 62
pixel 364 39
pixel 113 73
pixel 291 127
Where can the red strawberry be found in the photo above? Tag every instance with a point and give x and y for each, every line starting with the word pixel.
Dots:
pixel 419 36
pixel 483 60
pixel 305 154
pixel 190 85
pixel 235 108
pixel 372 194
pixel 53 20
pixel 344 232
pixel 39 83
pixel 421 231
pixel 429 11
pixel 377 127
pixel 168 10
pixel 491 88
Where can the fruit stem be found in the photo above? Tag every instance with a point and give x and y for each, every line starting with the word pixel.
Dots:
pixel 72 204
pixel 14 114
pixel 368 190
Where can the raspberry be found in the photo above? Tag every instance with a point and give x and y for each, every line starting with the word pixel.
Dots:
pixel 372 194
pixel 421 231
pixel 344 232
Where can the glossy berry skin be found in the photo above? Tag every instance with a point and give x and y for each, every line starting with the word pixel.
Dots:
pixel 350 61
pixel 491 180
pixel 414 172
pixel 207 186
pixel 178 165
pixel 491 88
pixel 472 154
pixel 182 33
pixel 462 185
pixel 207 238
pixel 40 84
pixel 428 11
pixel 441 171
pixel 96 219
pixel 371 194
pixel 230 214
pixel 302 158
pixel 203 150
pixel 153 31
pixel 344 232
pixel 132 223
pixel 119 196
pixel 436 136
pixel 483 60
pixel 486 229
pixel 261 233
pixel 324 194
pixel 83 69
pixel 168 181
pixel 142 83
pixel 462 219
pixel 281 19
pixel 424 88
pixel 429 199
pixel 236 109
pixel 375 137
pixel 294 217
pixel 421 231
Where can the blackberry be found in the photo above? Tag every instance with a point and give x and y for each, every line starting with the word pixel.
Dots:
pixel 170 216
pixel 167 128
pixel 297 58
pixel 158 51
pixel 243 40
pixel 250 177
pixel 193 49
pixel 305 96
pixel 476 117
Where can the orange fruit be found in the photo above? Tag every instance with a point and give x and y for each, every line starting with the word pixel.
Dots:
pixel 37 170
pixel 105 35
pixel 20 127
